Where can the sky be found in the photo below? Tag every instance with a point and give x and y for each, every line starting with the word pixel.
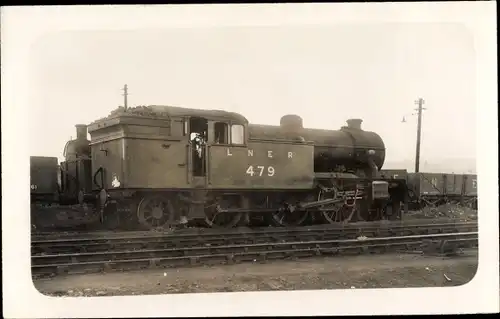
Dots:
pixel 325 74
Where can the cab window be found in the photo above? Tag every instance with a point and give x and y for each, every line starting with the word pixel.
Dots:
pixel 221 133
pixel 237 134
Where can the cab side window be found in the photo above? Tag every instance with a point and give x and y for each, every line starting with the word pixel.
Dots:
pixel 237 134
pixel 221 133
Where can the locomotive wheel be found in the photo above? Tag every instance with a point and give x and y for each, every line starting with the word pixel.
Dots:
pixel 155 212
pixel 223 220
pixel 334 213
pixel 286 218
pixel 215 219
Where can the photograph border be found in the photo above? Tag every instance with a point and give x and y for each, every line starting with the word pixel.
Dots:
pixel 23 26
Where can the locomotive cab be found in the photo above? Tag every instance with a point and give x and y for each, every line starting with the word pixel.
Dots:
pixel 208 131
pixel 160 147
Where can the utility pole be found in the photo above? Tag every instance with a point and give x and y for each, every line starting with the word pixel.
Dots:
pixel 420 102
pixel 125 95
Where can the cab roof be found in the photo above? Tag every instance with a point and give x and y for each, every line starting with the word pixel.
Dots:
pixel 167 111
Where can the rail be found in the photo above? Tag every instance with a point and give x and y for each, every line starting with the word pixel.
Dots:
pixel 148 240
pixel 124 253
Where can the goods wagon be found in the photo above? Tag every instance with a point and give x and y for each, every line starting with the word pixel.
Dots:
pixel 470 185
pixel 438 188
pixel 394 174
pixel 44 179
pixel 469 195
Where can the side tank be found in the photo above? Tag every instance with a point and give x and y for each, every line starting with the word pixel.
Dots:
pixel 350 146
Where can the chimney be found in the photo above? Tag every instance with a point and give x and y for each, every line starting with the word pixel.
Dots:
pixel 354 124
pixel 81 131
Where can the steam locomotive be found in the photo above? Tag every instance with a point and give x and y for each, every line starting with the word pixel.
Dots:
pixel 164 166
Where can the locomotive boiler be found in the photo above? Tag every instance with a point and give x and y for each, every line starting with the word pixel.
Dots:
pixel 348 149
pixel 153 166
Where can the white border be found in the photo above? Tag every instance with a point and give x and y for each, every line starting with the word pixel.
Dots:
pixel 21 26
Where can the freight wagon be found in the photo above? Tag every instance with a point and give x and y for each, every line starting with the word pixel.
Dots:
pixel 433 189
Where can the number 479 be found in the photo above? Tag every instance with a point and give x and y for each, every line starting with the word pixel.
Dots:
pixel 260 170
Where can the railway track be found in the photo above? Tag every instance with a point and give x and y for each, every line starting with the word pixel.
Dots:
pixel 238 230
pixel 129 251
pixel 38 235
pixel 228 254
pixel 86 243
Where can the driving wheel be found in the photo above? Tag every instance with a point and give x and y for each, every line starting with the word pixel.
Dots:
pixel 154 212
pixel 216 219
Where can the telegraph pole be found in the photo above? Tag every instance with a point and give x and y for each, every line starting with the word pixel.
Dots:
pixel 420 102
pixel 125 95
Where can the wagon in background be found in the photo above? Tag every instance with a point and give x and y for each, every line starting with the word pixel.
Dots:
pixel 433 189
